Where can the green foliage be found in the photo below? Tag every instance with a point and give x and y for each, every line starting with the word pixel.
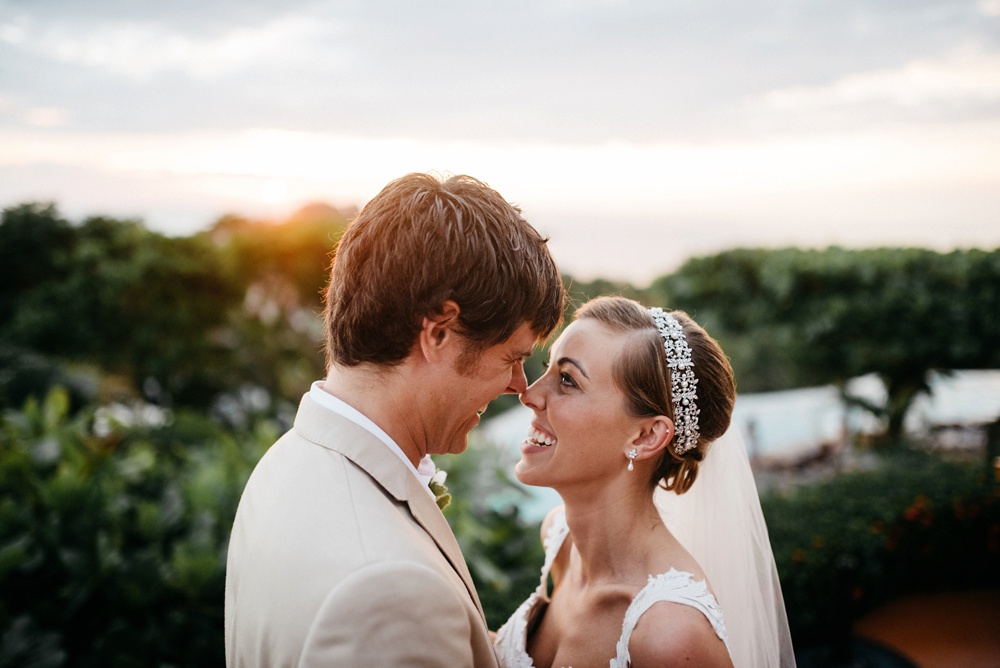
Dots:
pixel 292 257
pixel 847 545
pixel 275 341
pixel 113 537
pixel 35 244
pixel 113 294
pixel 179 320
pixel 112 540
pixel 799 317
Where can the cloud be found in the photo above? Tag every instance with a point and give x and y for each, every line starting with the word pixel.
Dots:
pixel 140 50
pixel 989 7
pixel 46 117
pixel 961 79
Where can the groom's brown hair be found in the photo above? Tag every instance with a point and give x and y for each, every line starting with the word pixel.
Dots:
pixel 424 240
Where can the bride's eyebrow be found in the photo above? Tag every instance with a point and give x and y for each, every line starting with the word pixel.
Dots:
pixel 576 363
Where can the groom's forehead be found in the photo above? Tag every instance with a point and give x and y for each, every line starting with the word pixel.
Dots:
pixel 521 343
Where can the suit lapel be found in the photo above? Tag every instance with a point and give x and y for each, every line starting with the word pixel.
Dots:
pixel 428 515
pixel 335 432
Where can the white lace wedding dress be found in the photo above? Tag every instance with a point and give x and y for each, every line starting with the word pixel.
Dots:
pixel 674 586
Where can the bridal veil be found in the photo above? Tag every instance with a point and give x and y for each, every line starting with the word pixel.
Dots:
pixel 720 522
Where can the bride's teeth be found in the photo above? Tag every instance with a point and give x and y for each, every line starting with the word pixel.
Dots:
pixel 538 438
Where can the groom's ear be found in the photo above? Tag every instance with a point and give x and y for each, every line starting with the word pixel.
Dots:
pixel 654 434
pixel 438 332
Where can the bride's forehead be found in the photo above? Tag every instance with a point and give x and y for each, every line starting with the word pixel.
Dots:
pixel 586 335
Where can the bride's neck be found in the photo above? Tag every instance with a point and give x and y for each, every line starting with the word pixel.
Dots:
pixel 614 536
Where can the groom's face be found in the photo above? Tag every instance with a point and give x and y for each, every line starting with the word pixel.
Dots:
pixel 475 379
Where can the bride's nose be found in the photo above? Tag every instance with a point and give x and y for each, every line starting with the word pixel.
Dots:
pixel 533 397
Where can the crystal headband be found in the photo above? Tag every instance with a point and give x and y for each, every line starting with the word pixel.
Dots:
pixel 683 382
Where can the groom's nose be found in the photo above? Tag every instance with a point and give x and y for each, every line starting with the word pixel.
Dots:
pixel 518 381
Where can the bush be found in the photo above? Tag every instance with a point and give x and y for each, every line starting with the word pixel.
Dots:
pixel 113 536
pixel 113 540
pixel 847 545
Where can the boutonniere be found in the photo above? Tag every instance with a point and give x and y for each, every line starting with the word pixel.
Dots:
pixel 441 495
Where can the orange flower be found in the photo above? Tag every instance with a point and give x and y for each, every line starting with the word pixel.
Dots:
pixel 916 509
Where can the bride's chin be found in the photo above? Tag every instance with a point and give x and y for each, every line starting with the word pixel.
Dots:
pixel 526 476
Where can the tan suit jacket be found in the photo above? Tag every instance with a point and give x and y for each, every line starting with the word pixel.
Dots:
pixel 339 557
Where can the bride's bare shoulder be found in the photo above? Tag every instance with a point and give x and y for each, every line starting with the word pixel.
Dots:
pixel 676 634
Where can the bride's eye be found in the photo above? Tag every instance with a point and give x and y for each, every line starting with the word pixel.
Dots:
pixel 566 380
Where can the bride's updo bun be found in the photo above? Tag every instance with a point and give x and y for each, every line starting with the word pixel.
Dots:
pixel 641 373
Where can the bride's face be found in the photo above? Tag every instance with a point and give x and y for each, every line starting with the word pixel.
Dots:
pixel 581 429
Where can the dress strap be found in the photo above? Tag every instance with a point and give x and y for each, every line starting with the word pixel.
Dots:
pixel 676 587
pixel 555 536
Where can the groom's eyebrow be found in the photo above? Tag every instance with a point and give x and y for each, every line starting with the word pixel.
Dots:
pixel 576 363
pixel 523 355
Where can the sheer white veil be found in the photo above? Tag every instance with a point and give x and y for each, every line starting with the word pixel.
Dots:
pixel 719 521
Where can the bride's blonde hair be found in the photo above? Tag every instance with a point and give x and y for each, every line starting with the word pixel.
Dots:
pixel 641 373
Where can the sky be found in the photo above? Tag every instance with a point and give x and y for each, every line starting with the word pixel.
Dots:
pixel 635 134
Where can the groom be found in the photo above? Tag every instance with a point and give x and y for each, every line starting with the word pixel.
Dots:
pixel 339 555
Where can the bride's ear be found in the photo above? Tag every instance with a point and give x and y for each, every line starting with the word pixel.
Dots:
pixel 654 435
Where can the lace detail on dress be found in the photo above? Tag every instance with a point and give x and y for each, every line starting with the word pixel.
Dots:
pixel 552 543
pixel 512 638
pixel 674 586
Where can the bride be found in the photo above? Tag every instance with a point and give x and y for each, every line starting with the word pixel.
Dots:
pixel 659 555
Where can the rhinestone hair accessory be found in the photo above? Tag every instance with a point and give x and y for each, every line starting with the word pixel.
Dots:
pixel 683 382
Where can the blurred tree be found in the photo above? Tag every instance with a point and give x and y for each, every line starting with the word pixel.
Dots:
pixel 179 320
pixel 830 315
pixel 35 247
pixel 112 293
pixel 282 268
pixel 286 262
pixel 728 295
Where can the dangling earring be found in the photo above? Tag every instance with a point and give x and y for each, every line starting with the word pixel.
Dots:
pixel 631 454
